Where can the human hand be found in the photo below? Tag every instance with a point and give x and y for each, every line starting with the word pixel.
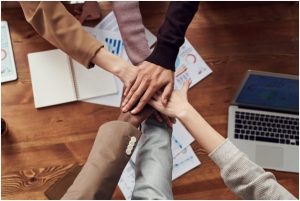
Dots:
pixel 177 104
pixel 125 71
pixel 136 119
pixel 150 79
pixel 90 10
pixel 127 75
pixel 164 118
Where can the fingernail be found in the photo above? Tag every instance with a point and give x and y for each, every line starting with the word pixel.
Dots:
pixel 124 109
pixel 133 111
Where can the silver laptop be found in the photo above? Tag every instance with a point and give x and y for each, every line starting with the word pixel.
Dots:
pixel 264 120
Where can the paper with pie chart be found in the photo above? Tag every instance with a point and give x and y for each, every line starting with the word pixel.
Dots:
pixel 189 65
pixel 8 68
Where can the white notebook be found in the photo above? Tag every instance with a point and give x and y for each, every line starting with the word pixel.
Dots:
pixel 56 79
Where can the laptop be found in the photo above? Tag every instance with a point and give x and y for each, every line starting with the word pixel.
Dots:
pixel 264 120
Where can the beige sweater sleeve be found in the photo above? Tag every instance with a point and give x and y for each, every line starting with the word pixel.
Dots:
pixel 244 177
pixel 54 23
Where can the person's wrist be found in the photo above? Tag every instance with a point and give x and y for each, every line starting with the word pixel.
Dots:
pixel 124 68
pixel 184 111
pixel 108 61
pixel 127 117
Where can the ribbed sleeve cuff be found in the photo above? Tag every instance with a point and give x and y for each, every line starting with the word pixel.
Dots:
pixel 223 153
pixel 164 55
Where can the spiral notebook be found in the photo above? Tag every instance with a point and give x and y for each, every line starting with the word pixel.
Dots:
pixel 57 79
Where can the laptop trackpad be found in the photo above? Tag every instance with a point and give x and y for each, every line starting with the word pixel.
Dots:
pixel 268 156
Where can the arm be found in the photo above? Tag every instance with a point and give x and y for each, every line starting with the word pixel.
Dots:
pixel 107 159
pixel 157 72
pixel 171 33
pixel 54 23
pixel 154 163
pixel 242 176
pixel 103 168
pixel 132 30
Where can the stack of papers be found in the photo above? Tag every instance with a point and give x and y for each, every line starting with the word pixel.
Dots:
pixel 189 65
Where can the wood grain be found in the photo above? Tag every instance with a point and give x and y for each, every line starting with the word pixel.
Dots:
pixel 232 37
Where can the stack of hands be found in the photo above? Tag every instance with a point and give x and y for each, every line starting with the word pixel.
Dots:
pixel 143 85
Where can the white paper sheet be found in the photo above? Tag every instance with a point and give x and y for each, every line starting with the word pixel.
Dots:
pixel 182 163
pixel 189 65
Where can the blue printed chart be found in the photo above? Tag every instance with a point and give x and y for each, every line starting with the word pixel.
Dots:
pixel 115 46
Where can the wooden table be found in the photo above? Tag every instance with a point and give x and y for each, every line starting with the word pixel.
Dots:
pixel 231 37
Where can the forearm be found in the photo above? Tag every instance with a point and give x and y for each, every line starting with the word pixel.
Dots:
pixel 54 23
pixel 110 62
pixel 171 33
pixel 242 176
pixel 154 163
pixel 204 134
pixel 131 26
pixel 107 159
pixel 245 178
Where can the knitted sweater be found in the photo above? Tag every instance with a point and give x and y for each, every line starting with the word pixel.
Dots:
pixel 245 178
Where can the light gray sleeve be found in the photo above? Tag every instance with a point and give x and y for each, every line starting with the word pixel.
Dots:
pixel 244 177
pixel 154 163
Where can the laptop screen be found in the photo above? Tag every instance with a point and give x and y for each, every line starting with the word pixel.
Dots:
pixel 275 93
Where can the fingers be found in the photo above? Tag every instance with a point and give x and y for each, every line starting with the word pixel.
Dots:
pixel 129 91
pixel 155 104
pixel 167 93
pixel 156 97
pixel 128 86
pixel 186 86
pixel 144 100
pixel 158 117
pixel 135 97
pixel 173 120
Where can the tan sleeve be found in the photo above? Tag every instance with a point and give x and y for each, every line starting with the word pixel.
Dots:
pixel 54 23
pixel 104 166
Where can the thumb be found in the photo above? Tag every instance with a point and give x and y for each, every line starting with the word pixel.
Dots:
pixel 186 86
pixel 154 103
pixel 167 93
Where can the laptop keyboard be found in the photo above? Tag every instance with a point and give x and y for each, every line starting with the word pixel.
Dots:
pixel 266 128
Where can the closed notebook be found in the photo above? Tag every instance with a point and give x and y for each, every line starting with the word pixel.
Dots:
pixel 57 79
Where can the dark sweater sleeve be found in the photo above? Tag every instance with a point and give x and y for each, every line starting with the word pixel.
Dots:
pixel 171 33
